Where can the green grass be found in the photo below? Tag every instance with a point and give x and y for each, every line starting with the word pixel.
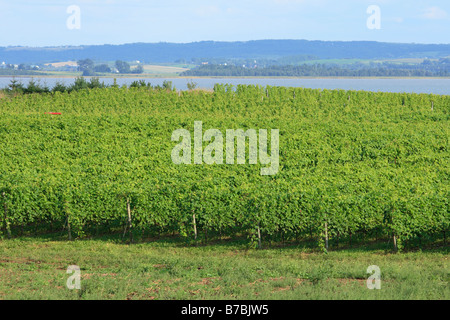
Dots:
pixel 167 268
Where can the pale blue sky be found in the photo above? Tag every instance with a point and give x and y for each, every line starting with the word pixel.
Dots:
pixel 43 22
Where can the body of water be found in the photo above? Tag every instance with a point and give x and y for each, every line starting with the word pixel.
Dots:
pixel 434 86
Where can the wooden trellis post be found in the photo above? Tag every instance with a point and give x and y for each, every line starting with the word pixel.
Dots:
pixel 259 237
pixel 69 232
pixel 129 220
pixel 195 226
pixel 129 224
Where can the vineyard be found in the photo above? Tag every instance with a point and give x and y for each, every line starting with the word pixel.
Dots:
pixel 351 164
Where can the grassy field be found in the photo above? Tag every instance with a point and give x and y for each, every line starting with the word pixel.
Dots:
pixel 35 268
pixel 156 69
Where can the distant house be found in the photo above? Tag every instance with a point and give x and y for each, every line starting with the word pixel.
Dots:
pixel 3 65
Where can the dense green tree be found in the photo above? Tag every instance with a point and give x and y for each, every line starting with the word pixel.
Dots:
pixel 102 68
pixel 123 66
pixel 138 70
pixel 86 66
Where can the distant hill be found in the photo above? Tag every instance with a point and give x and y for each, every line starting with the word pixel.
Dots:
pixel 170 52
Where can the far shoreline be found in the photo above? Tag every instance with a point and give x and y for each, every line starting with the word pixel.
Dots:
pixel 155 76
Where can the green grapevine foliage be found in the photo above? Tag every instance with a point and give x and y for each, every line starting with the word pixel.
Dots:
pixel 363 162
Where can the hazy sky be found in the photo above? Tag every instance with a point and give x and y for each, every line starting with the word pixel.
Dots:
pixel 44 22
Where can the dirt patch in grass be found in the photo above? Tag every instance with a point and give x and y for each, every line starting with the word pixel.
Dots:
pixel 349 281
pixel 298 282
pixel 131 295
pixel 283 289
pixel 21 261
pixel 208 281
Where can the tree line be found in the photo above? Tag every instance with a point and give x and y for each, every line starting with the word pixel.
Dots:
pixel 80 83
pixel 428 68
pixel 88 67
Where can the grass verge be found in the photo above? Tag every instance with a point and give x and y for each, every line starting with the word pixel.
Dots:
pixel 35 268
